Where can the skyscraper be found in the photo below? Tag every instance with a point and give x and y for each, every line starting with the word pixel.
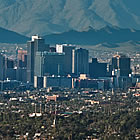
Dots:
pixel 120 71
pixel 97 69
pixel 36 44
pixel 39 45
pixel 122 63
pixel 81 61
pixel 39 64
pixel 30 61
pixel 10 72
pixel 2 67
pixel 22 58
pixel 69 58
pixel 49 63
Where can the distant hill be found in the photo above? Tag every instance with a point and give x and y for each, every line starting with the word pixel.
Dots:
pixel 92 37
pixel 7 36
pixel 44 17
pixel 108 36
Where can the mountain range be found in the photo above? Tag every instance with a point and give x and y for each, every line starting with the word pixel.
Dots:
pixel 11 37
pixel 29 17
pixel 109 36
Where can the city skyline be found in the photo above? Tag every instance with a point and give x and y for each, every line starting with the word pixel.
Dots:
pixel 69 70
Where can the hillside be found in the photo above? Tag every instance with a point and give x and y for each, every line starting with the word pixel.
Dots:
pixel 7 36
pixel 43 17
pixel 93 37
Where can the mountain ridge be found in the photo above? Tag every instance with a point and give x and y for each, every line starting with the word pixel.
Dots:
pixel 7 36
pixel 110 35
pixel 93 36
pixel 52 16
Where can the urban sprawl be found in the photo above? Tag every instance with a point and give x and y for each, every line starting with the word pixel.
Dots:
pixel 62 92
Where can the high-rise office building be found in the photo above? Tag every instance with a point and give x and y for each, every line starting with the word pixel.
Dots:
pixel 22 59
pixel 120 71
pixel 10 71
pixel 81 61
pixel 30 61
pixel 33 46
pixel 2 67
pixel 22 54
pixel 39 45
pixel 69 59
pixel 49 63
pixel 122 63
pixel 97 69
pixel 39 64
pixel 54 63
pixel 9 63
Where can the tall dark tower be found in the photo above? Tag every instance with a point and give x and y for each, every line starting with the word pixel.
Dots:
pixel 122 63
pixel 97 69
pixel 2 67
pixel 39 44
pixel 82 65
pixel 30 61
